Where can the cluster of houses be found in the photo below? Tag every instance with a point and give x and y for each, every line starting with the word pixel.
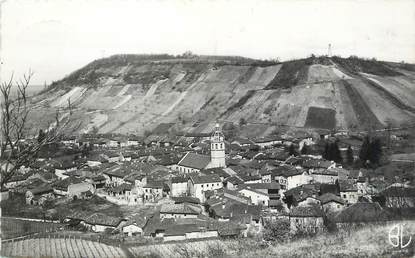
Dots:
pixel 204 186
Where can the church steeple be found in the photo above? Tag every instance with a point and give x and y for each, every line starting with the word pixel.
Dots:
pixel 217 149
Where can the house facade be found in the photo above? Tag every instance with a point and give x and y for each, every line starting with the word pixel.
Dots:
pixel 199 184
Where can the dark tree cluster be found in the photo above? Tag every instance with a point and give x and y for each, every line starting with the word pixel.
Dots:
pixel 349 156
pixel 292 151
pixel 332 152
pixel 371 151
pixel 305 150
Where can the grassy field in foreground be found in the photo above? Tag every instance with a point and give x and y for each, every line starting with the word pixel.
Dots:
pixel 370 241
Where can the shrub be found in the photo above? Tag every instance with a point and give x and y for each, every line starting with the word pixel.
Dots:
pixel 277 231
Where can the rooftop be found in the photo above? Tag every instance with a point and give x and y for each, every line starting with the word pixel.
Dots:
pixel 363 212
pixel 194 160
pixel 329 197
pixel 203 179
pixel 306 211
pixel 181 208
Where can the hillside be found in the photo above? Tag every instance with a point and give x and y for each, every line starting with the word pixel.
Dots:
pixel 135 93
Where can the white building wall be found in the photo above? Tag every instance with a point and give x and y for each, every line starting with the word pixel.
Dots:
pixel 324 179
pixel 297 180
pixel 256 198
pixel 332 207
pixel 199 189
pixel 206 234
pixel 178 189
pixel 174 238
pixel 132 229
pixel 349 197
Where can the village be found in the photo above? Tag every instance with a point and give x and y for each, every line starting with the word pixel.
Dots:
pixel 201 186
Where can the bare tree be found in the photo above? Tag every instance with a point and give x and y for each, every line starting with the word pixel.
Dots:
pixel 16 149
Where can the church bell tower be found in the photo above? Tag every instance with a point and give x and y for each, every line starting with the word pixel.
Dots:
pixel 217 149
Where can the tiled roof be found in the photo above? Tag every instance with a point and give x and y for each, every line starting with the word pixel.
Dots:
pixel 194 160
pixel 177 209
pixel 347 186
pixel 247 178
pixel 363 212
pixel 42 190
pixel 134 176
pixel 302 192
pixel 273 185
pixel 234 180
pixel 306 211
pixel 326 172
pixel 116 171
pixel 203 179
pixel 63 184
pixel 179 179
pixel 242 141
pixel 316 163
pixel 167 160
pixel 329 197
pixel 215 171
pixel 154 184
pixel 178 230
pixel 287 171
pixel 185 199
pixel 230 208
pixel 329 188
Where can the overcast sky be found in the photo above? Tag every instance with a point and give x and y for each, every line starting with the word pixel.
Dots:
pixel 54 38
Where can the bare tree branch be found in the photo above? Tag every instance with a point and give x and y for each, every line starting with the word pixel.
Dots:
pixel 16 150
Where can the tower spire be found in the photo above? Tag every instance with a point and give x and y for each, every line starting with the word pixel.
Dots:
pixel 329 50
pixel 217 148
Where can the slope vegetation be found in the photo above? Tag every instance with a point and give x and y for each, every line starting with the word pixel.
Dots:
pixel 134 93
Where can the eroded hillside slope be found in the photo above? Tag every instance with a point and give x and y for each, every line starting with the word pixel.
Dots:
pixel 126 94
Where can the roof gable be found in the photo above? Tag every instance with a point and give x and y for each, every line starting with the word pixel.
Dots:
pixel 194 160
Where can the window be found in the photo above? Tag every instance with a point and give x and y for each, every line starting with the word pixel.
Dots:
pixel 216 145
pixel 202 186
pixel 213 184
pixel 344 195
pixel 221 145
